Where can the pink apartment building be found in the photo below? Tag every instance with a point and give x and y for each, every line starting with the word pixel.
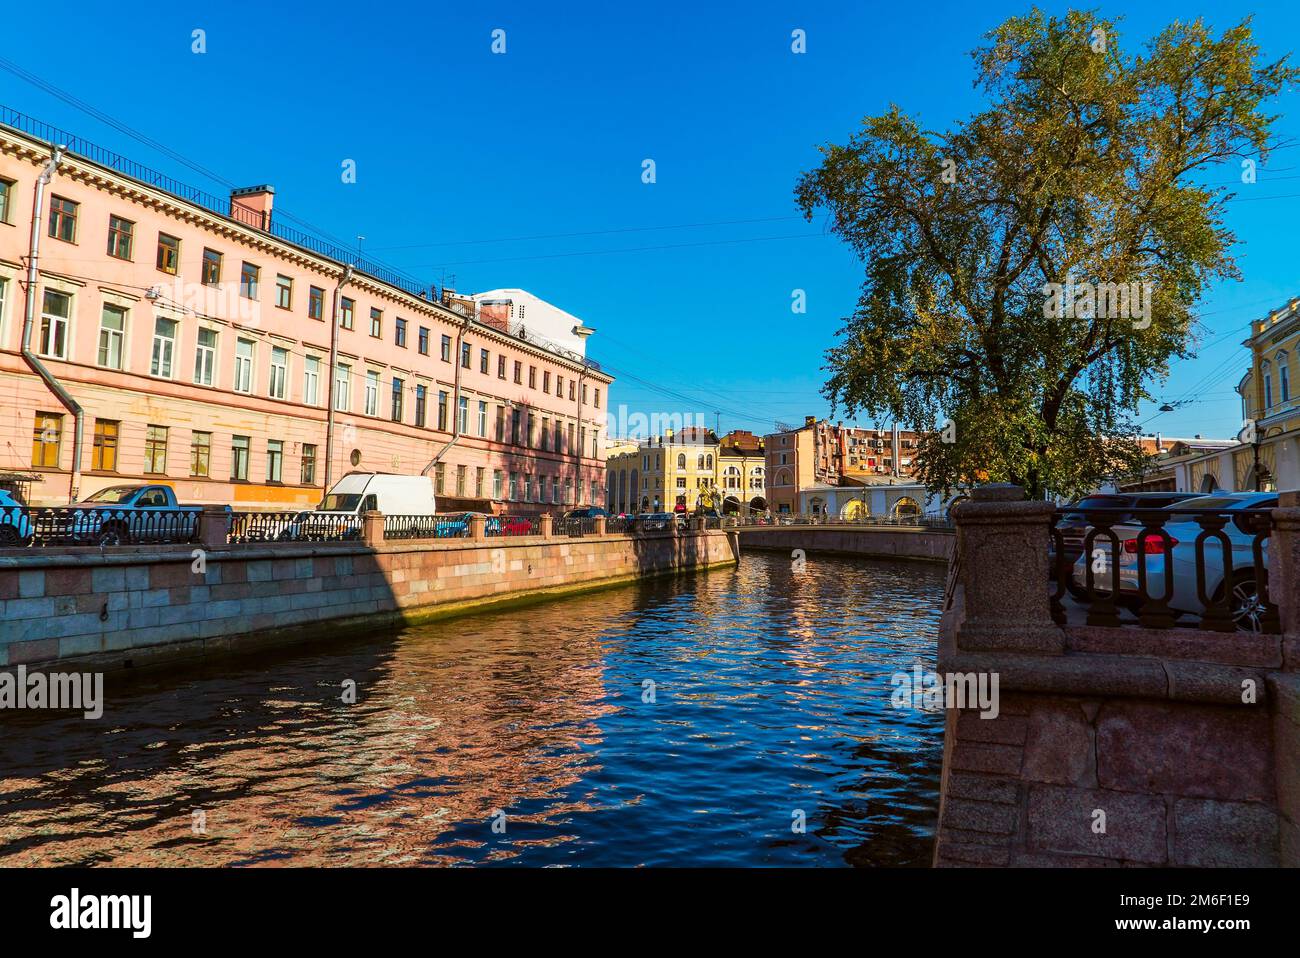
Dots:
pixel 195 335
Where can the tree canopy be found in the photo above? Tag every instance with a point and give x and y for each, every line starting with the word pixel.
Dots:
pixel 1031 272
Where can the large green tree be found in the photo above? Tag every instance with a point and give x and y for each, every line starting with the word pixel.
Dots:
pixel 1092 168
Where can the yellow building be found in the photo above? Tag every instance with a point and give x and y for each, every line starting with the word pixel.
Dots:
pixel 1270 406
pixel 683 471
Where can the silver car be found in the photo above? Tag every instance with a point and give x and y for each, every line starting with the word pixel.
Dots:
pixel 1246 604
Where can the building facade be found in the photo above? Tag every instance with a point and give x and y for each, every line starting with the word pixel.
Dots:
pixel 823 454
pixel 196 338
pixel 687 470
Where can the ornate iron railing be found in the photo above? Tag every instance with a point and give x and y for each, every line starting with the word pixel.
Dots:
pixel 575 527
pixel 43 527
pixel 427 527
pixel 1159 568
pixel 252 527
pixel 514 526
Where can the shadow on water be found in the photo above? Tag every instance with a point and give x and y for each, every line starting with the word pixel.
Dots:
pixel 686 720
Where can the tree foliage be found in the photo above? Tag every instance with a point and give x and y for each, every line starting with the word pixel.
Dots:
pixel 1089 166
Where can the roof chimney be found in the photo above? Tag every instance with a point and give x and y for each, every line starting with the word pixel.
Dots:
pixel 809 421
pixel 251 205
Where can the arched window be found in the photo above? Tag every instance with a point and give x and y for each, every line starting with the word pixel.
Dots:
pixel 699 462
pixel 710 463
pixel 681 460
pixel 1283 376
pixel 1267 370
pixel 906 507
pixel 731 477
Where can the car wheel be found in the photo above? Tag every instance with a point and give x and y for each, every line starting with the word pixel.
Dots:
pixel 112 535
pixel 1246 606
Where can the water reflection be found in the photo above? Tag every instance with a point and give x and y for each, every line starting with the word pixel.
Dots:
pixel 770 695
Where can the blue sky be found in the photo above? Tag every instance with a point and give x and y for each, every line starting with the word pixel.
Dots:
pixel 482 166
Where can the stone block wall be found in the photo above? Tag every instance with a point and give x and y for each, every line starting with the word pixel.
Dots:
pixel 868 541
pixel 128 608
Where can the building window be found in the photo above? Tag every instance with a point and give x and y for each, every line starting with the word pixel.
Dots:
pixel 164 347
pixel 501 367
pixel 1284 376
pixel 572 391
pixel 315 302
pixel 399 387
pixel 342 387
pixel 155 450
pixel 546 432
pixel 279 372
pixel 497 477
pixel 514 427
pixel 514 486
pixel 519 373
pixel 63 219
pixel 446 349
pixel 205 357
pixel 528 436
pixel 421 400
pixel 56 312
pixel 104 454
pixel 347 309
pixel 376 322
pixel 274 460
pixel 596 397
pixel 46 434
pixel 112 333
pixel 424 340
pixel 482 418
pixel 442 410
pixel 283 292
pixel 462 415
pixel 239 458
pixel 248 279
pixel 311 380
pixel 532 377
pixel 308 464
pixel 399 332
pixel 479 471
pixel 200 453
pixel 6 199
pixel 370 401
pixel 439 478
pixel 464 355
pixel 461 472
pixel 243 366
pixel 211 267
pixel 546 380
pixel 120 235
pixel 169 253
pixel 483 361
pixel 559 386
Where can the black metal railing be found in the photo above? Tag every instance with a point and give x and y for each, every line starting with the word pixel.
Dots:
pixel 514 526
pixel 42 527
pixel 1159 568
pixel 574 527
pixel 622 525
pixel 427 527
pixel 252 527
pixel 934 523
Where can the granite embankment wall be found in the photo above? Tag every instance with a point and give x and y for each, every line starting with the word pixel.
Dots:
pixel 129 607
pixel 1112 746
pixel 878 542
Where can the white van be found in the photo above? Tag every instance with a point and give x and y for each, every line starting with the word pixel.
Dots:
pixel 359 492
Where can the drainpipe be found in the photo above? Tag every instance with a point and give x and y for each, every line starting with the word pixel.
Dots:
pixel 333 375
pixel 29 322
pixel 455 400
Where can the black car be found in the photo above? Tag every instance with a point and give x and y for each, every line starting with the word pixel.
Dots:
pixel 1074 525
pixel 586 512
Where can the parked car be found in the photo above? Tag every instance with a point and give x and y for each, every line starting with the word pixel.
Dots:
pixel 586 512
pixel 513 525
pixel 1074 525
pixel 1246 605
pixel 15 525
pixel 118 515
pixel 359 492
pixel 655 521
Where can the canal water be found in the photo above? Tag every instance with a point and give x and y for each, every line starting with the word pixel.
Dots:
pixel 698 720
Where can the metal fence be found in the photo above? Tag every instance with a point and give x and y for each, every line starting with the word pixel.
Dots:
pixel 248 527
pixel 575 527
pixel 935 523
pixel 514 526
pixel 426 527
pixel 42 527
pixel 1158 568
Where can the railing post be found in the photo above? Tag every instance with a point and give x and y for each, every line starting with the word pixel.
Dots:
pixel 214 527
pixel 478 528
pixel 599 529
pixel 1284 575
pixel 1001 552
pixel 547 525
pixel 372 529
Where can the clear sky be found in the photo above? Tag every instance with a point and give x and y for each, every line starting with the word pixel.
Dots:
pixel 525 169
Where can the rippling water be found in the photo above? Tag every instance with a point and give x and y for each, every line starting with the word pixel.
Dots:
pixel 678 722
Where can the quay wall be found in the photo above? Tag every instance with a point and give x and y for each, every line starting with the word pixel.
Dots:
pixel 129 608
pixel 1111 746
pixel 877 542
